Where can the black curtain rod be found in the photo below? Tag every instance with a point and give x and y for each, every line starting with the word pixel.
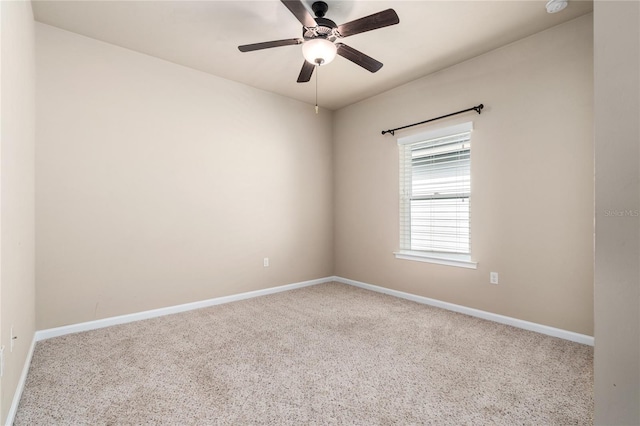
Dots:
pixel 477 109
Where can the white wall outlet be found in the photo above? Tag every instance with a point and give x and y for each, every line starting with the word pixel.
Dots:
pixel 493 277
pixel 265 262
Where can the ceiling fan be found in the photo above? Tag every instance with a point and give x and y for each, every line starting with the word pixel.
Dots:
pixel 320 37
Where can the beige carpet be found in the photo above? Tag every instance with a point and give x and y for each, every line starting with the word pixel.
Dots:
pixel 327 354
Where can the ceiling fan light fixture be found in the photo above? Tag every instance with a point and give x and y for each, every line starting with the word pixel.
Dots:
pixel 319 51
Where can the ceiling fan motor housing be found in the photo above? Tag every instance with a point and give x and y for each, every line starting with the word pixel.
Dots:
pixel 325 29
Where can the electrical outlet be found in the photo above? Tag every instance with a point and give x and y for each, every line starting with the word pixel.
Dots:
pixel 493 278
pixel 266 262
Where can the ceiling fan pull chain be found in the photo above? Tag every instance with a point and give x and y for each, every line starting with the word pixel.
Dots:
pixel 317 72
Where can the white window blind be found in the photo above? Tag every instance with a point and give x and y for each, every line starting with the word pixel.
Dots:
pixel 435 187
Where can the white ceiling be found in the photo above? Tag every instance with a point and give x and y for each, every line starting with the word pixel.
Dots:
pixel 204 35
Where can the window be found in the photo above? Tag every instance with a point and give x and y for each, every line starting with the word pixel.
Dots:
pixel 435 189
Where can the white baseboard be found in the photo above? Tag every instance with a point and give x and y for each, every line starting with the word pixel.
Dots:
pixel 531 326
pixel 122 319
pixel 106 322
pixel 20 387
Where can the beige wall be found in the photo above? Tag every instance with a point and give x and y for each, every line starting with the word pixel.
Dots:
pixel 158 185
pixel 617 192
pixel 16 193
pixel 532 181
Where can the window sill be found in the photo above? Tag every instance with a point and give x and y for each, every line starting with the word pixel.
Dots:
pixel 459 260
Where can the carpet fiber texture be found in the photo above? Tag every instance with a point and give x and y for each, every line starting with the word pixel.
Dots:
pixel 326 354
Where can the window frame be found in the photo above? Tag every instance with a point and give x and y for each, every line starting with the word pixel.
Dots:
pixel 462 260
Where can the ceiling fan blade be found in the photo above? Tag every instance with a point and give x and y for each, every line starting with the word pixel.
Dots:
pixel 269 44
pixel 300 12
pixel 358 58
pixel 368 23
pixel 306 72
